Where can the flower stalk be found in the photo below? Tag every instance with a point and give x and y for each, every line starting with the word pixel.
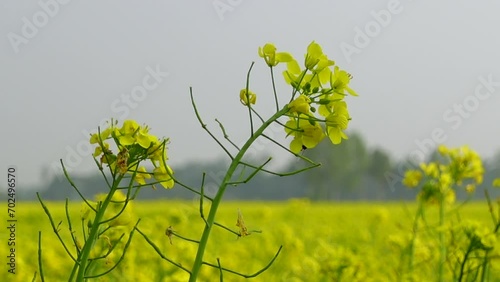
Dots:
pixel 222 188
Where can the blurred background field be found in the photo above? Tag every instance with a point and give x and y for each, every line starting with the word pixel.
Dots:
pixel 322 241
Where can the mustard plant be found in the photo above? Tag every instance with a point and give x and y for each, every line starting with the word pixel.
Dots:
pixel 438 181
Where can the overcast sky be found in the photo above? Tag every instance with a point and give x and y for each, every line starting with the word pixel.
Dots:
pixel 423 69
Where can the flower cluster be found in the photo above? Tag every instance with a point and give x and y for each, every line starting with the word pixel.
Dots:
pixel 134 144
pixel 480 237
pixel 318 88
pixel 463 168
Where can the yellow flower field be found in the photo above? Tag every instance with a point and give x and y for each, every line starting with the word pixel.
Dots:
pixel 321 241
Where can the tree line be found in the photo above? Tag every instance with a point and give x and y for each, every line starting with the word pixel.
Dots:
pixel 349 171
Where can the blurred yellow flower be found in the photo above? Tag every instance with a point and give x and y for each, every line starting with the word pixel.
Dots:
pixel 412 178
pixel 141 175
pixel 496 182
pixel 164 176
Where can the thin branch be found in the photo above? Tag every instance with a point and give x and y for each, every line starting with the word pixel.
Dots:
pixel 74 186
pixel 184 238
pixel 160 253
pixel 252 174
pixel 190 189
pixel 285 173
pixel 111 248
pixel 70 227
pixel 125 204
pixel 285 126
pixel 54 228
pixel 225 134
pixel 221 274
pixel 125 248
pixel 202 190
pixel 34 277
pixel 242 173
pixel 297 88
pixel 274 89
pixel 257 114
pixel 247 275
pixel 204 126
pixel 226 228
pixel 288 150
pixel 247 93
pixel 102 172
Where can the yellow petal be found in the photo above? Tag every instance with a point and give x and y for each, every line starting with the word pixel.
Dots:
pixel 284 57
pixel 296 145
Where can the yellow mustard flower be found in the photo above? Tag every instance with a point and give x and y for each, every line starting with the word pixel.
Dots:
pixel 144 139
pixel 141 175
pixel 470 188
pixel 330 102
pixel 306 135
pixel 336 122
pixel 300 105
pixel 443 150
pixel 412 178
pixel 129 127
pixel 339 81
pixel 249 97
pixel 268 52
pixel 315 60
pixel 293 75
pixel 164 176
pixel 99 150
pixel 445 180
pixel 496 182
pixel 97 138
pixel 335 133
pixel 127 132
pixel 158 152
pixel 430 169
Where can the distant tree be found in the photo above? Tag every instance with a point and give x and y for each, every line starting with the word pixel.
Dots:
pixel 342 168
pixel 379 164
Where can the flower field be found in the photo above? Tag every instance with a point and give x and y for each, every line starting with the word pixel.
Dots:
pixel 321 242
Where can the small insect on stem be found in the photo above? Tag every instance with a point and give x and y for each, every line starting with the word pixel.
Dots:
pixel 241 224
pixel 169 232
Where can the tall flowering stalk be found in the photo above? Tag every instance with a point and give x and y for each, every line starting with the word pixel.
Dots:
pixel 119 154
pixel 316 109
pixel 462 167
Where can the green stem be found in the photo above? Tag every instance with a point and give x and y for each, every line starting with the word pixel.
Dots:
pixel 442 246
pixel 82 260
pixel 466 257
pixel 485 271
pixel 40 266
pixel 220 193
pixel 274 90
pixel 414 236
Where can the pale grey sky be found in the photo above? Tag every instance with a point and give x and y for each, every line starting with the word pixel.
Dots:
pixel 423 69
